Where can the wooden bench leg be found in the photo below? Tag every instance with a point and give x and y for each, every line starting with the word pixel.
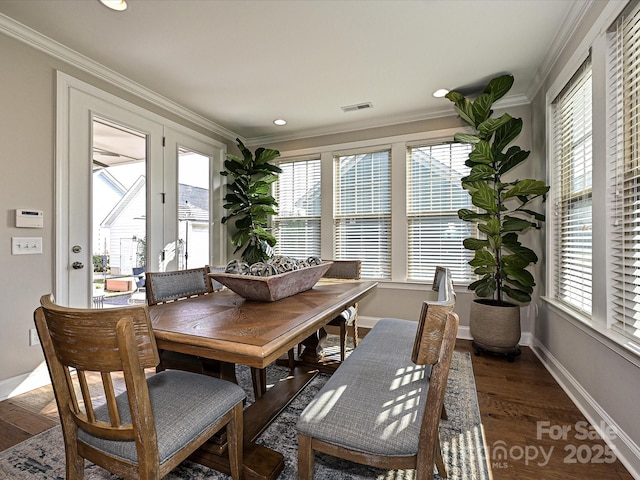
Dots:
pixel 305 458
pixel 440 468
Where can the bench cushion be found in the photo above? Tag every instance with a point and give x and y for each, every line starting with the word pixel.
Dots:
pixel 374 401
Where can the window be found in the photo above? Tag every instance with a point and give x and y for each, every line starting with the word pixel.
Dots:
pixel 572 193
pixel 297 225
pixel 363 211
pixel 434 196
pixel 625 110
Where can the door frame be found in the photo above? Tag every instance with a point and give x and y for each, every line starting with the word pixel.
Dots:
pixel 68 87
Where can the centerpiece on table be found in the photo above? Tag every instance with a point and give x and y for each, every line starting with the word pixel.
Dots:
pixel 260 275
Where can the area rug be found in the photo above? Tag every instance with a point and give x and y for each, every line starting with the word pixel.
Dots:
pixel 463 447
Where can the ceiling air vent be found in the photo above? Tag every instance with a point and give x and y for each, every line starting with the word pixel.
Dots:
pixel 359 106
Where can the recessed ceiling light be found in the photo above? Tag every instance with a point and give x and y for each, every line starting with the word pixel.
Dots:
pixel 118 5
pixel 280 122
pixel 441 92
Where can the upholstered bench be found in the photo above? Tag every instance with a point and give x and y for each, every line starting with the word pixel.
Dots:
pixel 377 407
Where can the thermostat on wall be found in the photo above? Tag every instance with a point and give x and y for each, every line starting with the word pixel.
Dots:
pixel 29 218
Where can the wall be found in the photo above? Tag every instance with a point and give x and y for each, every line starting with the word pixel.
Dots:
pixel 27 133
pixel 600 375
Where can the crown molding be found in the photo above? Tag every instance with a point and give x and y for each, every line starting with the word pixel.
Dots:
pixel 506 102
pixel 40 42
pixel 576 13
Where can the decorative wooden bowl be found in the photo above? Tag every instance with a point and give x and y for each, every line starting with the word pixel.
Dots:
pixel 275 287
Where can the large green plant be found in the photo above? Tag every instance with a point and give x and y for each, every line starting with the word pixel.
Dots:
pixel 504 207
pixel 250 202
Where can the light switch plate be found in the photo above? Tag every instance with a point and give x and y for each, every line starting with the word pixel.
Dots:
pixel 26 245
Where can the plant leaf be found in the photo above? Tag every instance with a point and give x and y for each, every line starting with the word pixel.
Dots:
pixel 472 216
pixel 484 197
pixel 506 134
pixel 526 187
pixel 499 86
pixel 482 107
pixel 472 243
pixel 483 258
pixel 481 153
pixel 491 125
pixel 517 295
pixel 480 172
pixel 466 138
pixel 484 287
pixel 513 157
pixel 513 224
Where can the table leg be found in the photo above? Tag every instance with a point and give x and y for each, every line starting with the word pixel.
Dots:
pixel 260 462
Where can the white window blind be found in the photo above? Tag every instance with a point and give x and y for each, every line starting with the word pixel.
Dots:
pixel 572 192
pixel 434 196
pixel 297 225
pixel 363 211
pixel 625 135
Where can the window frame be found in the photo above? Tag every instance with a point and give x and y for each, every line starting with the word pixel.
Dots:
pixel 463 274
pixel 277 219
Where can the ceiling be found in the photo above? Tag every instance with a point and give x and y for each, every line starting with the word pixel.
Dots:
pixel 241 64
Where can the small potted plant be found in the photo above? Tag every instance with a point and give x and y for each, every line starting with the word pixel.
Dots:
pixel 504 211
pixel 249 201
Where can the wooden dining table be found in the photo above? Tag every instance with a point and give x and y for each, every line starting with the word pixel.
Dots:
pixel 224 327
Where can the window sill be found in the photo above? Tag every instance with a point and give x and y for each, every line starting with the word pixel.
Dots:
pixel 415 285
pixel 617 343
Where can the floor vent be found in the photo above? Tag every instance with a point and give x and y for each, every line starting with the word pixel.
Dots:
pixel 359 106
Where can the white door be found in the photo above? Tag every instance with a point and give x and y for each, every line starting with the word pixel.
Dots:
pixel 109 223
pixel 194 199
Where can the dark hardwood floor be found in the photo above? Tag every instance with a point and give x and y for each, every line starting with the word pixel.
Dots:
pixel 513 398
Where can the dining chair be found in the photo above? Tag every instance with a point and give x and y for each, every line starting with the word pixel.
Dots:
pixel 348 270
pixel 170 286
pixel 155 423
pixel 163 287
pixel 360 424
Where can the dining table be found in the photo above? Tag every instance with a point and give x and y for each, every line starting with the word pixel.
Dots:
pixel 223 327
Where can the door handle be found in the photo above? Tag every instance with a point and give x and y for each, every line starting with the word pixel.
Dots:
pixel 77 265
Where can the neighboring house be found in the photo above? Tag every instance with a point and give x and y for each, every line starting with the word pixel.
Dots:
pixel 109 191
pixel 193 226
pixel 125 227
pixel 126 224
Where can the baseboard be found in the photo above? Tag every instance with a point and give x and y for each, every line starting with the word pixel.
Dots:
pixel 13 386
pixel 623 446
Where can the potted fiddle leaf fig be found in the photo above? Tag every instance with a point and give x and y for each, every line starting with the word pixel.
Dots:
pixel 505 208
pixel 249 201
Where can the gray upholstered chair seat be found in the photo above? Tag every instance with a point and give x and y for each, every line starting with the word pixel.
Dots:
pixel 360 408
pixel 197 400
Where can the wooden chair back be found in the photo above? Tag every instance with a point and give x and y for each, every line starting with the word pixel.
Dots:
pixel 426 348
pixel 106 341
pixel 434 345
pixel 347 269
pixel 114 425
pixel 165 287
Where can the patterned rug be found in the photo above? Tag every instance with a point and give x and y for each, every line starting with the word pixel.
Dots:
pixel 463 447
